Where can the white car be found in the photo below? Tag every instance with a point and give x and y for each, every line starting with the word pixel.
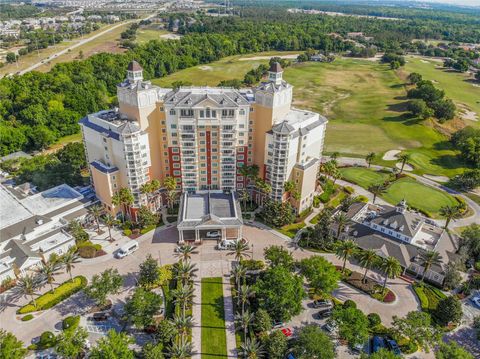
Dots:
pixel 213 234
pixel 476 300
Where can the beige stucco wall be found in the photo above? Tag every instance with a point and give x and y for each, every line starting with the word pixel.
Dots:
pixel 103 184
pixel 262 122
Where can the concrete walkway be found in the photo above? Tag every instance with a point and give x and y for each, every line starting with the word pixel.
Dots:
pixel 197 320
pixel 229 315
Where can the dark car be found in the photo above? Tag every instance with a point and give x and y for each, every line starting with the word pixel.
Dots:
pixel 322 303
pixel 324 313
pixel 378 343
pixel 100 317
pixel 393 346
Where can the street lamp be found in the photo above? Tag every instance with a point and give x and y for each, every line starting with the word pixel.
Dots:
pixel 252 251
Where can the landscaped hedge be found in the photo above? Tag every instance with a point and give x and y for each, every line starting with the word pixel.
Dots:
pixel 429 296
pixel 71 323
pixel 251 264
pixel 50 299
pixel 371 287
pixel 27 318
pixel 47 340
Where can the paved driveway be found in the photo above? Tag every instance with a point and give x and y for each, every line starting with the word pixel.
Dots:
pixel 160 244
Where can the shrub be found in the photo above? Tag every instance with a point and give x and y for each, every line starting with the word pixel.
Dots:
pixel 361 198
pixel 348 189
pixel 71 322
pixel 389 297
pixel 47 340
pixel 148 229
pixel 477 266
pixel 349 304
pixel 50 299
pixel 127 232
pixel 316 201
pixel 251 264
pixel 27 318
pixel 87 252
pixel 374 320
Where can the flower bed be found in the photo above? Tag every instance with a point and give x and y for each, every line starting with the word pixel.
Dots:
pixel 371 287
pixel 429 296
pixel 52 298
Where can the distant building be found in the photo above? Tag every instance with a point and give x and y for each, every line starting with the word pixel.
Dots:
pixel 400 233
pixel 33 224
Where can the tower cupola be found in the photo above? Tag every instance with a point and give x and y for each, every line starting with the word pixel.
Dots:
pixel 134 72
pixel 275 73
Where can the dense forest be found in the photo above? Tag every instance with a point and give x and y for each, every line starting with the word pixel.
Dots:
pixel 38 108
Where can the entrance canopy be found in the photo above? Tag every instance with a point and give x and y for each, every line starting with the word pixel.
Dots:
pixel 209 215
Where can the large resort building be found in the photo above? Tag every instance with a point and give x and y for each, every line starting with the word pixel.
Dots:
pixel 202 136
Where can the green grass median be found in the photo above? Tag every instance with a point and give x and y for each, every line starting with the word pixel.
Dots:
pixel 214 337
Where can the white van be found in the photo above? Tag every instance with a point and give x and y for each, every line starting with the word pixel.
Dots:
pixel 128 248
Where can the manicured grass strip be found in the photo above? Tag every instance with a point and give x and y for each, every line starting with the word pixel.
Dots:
pixel 364 177
pixel 60 293
pixel 291 230
pixel 214 338
pixel 424 198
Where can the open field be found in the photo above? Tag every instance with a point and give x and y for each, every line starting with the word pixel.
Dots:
pixel 419 196
pixel 459 87
pixel 214 337
pixel 105 43
pixel 145 34
pixel 211 74
pixel 363 176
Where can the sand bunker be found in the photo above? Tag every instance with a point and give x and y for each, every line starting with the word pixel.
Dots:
pixel 407 167
pixel 391 155
pixel 171 36
pixel 205 68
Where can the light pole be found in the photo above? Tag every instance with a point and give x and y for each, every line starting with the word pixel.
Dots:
pixel 252 252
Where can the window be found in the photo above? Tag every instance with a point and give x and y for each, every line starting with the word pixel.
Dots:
pixel 202 134
pixel 176 158
pixel 176 173
pixel 202 113
pixel 173 126
pixel 172 112
pixel 251 109
pixel 242 112
pixel 175 150
pixel 203 165
pixel 242 125
pixel 162 109
pixel 203 158
pixel 114 177
pixel 104 140
pixel 202 142
pixel 186 112
pixel 174 134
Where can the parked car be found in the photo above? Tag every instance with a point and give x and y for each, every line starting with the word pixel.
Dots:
pixel 287 332
pixel 290 356
pixel 393 346
pixel 358 348
pixel 277 324
pixel 213 234
pixel 325 313
pixel 225 245
pixel 100 316
pixel 476 300
pixel 330 328
pixel 378 343
pixel 322 303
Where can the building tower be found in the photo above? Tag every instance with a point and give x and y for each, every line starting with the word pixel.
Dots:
pixel 134 72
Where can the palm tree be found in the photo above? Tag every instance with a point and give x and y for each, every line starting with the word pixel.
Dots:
pixel 109 221
pixel 244 320
pixel 171 186
pixel 185 252
pixel 252 349
pixel 288 187
pixel 341 220
pixel 181 350
pixel 69 259
pixel 48 271
pixel 369 158
pixel 239 250
pixel 450 213
pixel 367 259
pixel 404 157
pixel 154 187
pixel 182 324
pixel 428 259
pixel 336 174
pixel 391 268
pixel 238 272
pixel 185 271
pixel 244 197
pixel 245 293
pixel 96 211
pixel 377 190
pixel 123 198
pixel 183 296
pixel 27 285
pixel 344 250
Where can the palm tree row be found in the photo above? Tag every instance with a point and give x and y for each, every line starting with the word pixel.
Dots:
pixel 390 266
pixel 28 284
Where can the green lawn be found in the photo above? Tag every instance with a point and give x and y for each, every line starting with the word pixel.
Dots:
pixel 363 176
pixel 364 101
pixel 291 230
pixel 211 74
pixel 457 86
pixel 214 338
pixel 417 195
pixel 149 33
